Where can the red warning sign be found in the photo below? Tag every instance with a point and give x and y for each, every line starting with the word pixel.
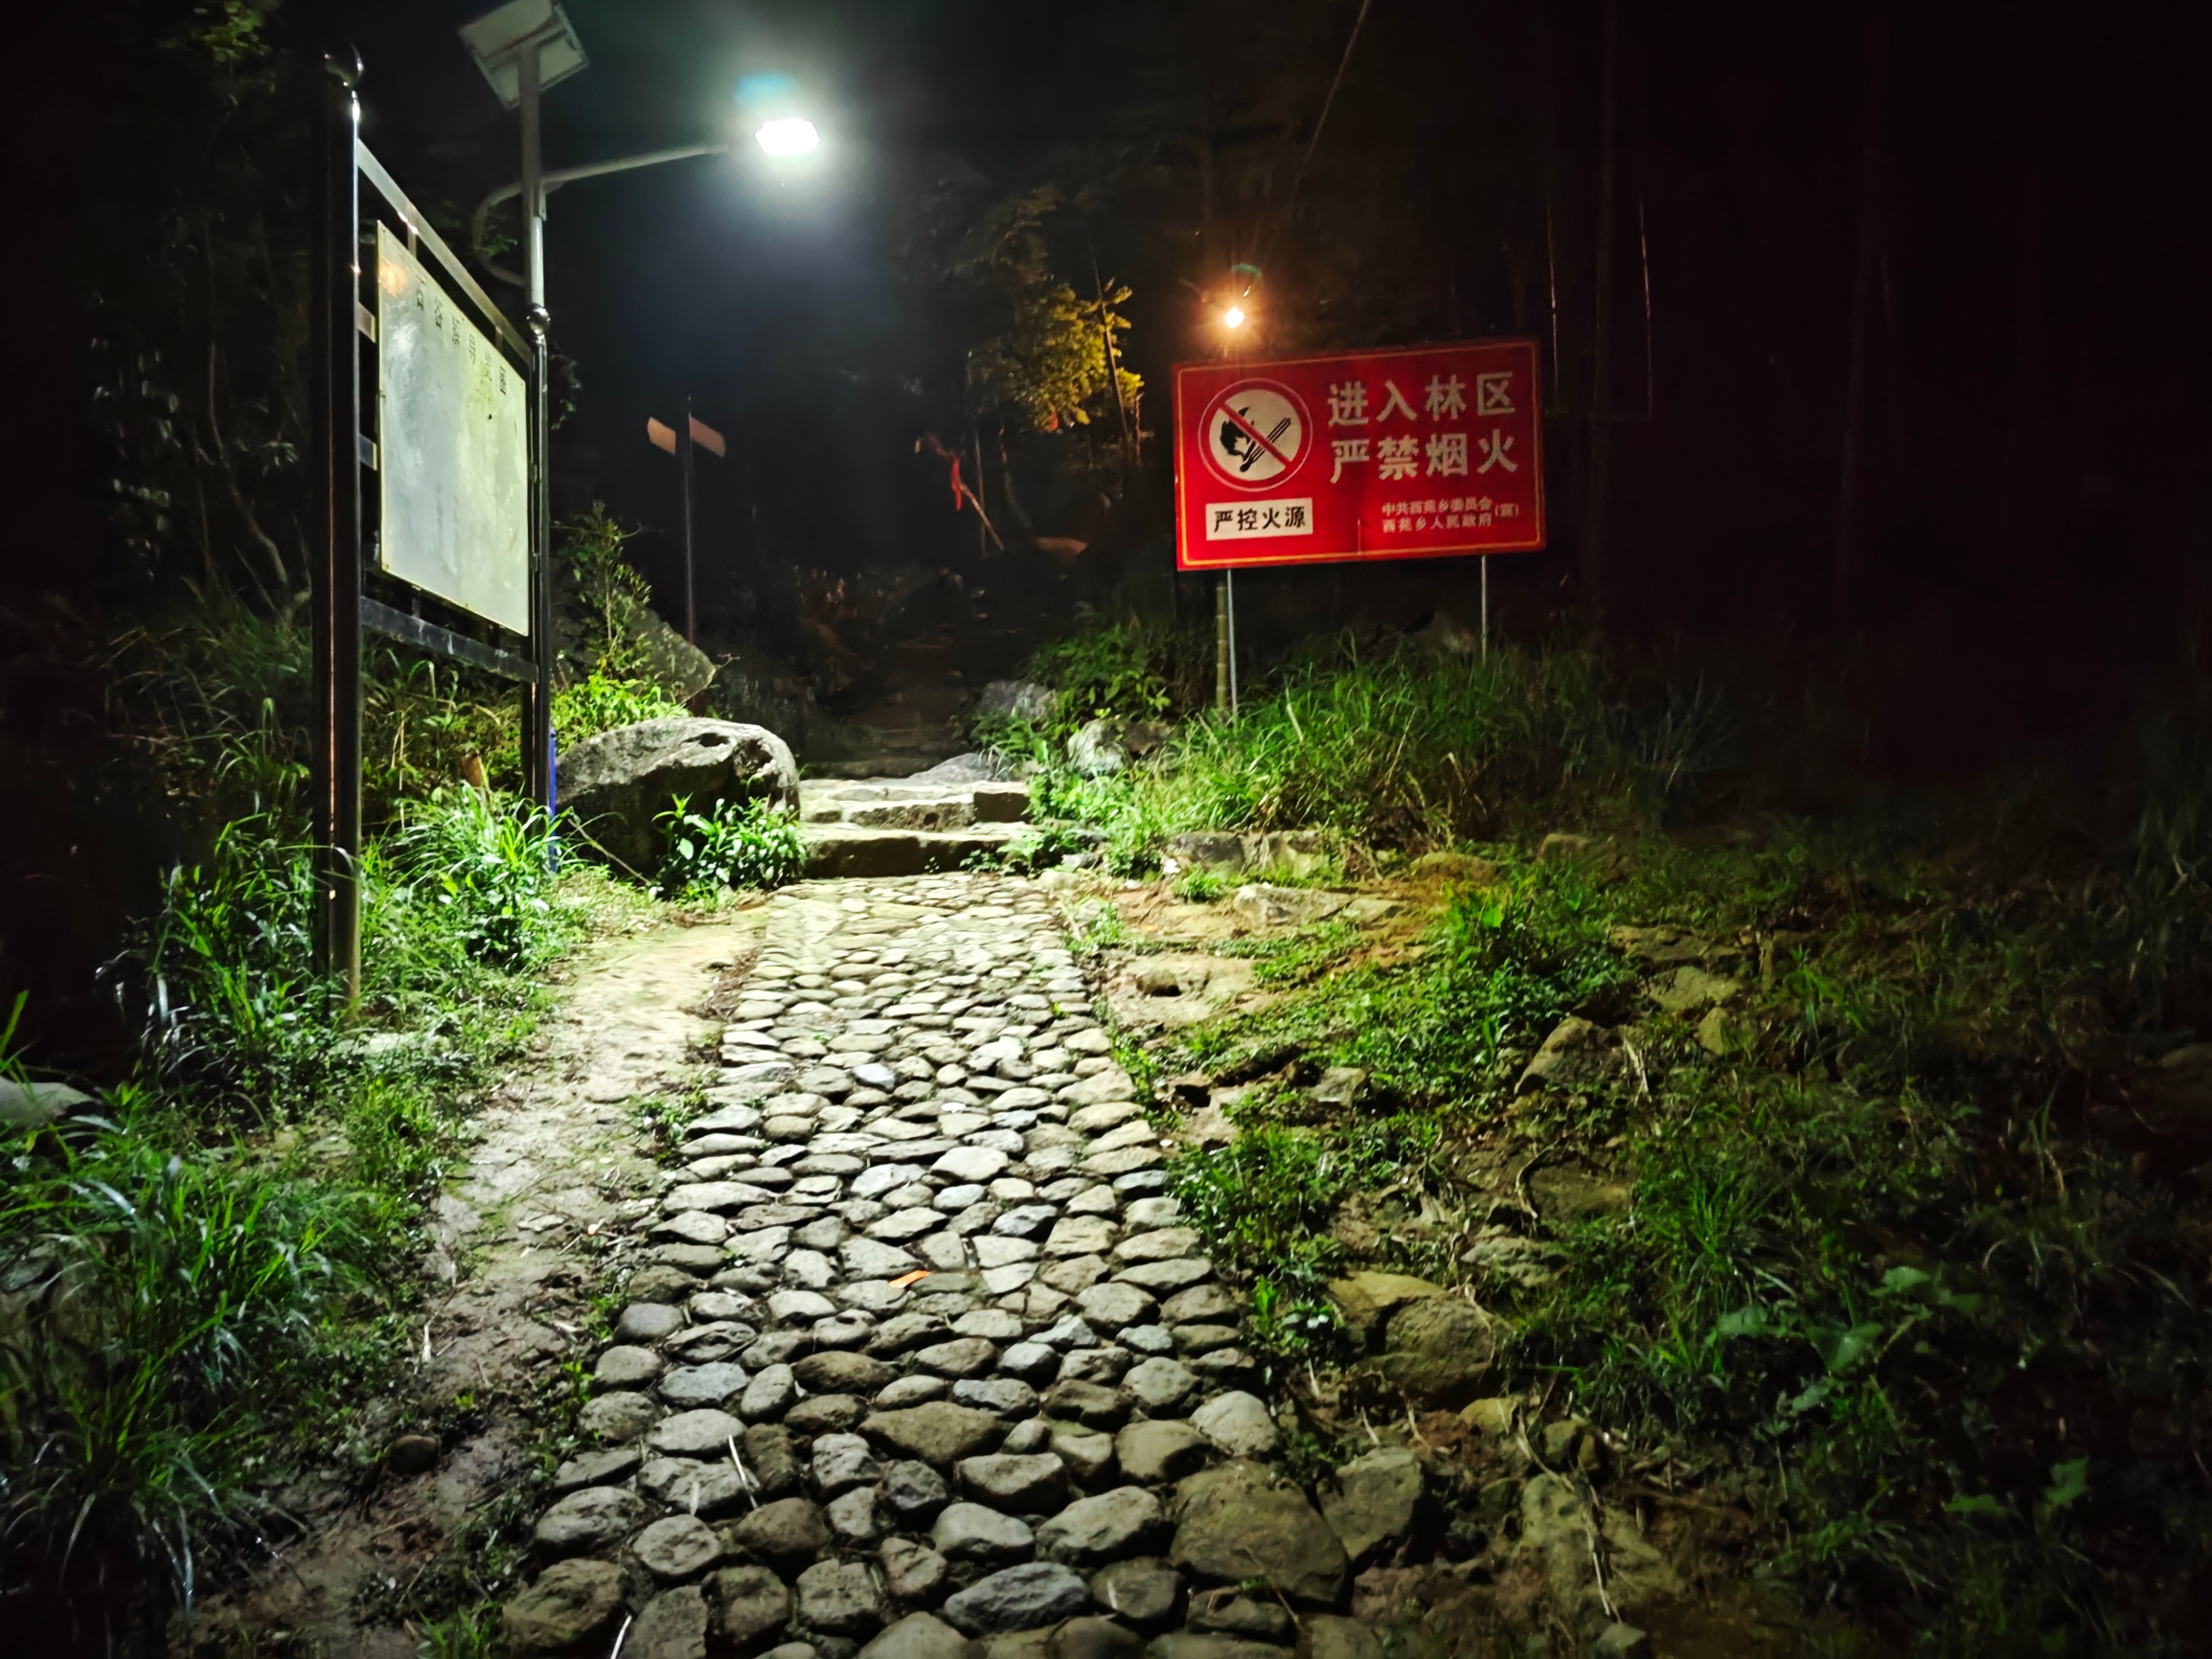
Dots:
pixel 1413 453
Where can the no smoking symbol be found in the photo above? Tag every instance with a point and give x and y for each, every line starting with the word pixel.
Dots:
pixel 1255 434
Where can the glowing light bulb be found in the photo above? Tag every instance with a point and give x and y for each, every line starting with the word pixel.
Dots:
pixel 1234 316
pixel 789 135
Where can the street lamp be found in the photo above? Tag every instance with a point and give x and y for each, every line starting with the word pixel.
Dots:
pixel 524 47
pixel 1232 317
pixel 790 135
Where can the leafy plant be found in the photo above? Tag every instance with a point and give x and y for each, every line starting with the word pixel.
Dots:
pixel 736 844
pixel 584 708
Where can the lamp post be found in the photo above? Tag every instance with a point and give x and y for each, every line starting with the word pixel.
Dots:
pixel 524 48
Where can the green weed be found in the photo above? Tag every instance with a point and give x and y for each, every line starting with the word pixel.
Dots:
pixel 737 844
pixel 585 708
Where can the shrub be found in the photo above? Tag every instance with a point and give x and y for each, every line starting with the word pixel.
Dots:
pixel 587 706
pixel 737 844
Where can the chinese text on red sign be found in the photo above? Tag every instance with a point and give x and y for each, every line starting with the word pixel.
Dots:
pixel 1400 454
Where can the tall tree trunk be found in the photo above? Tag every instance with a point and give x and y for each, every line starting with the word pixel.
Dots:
pixel 1594 526
pixel 1862 284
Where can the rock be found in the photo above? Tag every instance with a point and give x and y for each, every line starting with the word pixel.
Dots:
pixel 1087 1402
pixel 695 1385
pixel 971 1164
pixel 1146 1591
pixel 1088 1453
pixel 649 1322
pixel 841 1462
pixel 912 1572
pixel 841 1372
pixel 963 1357
pixel 1093 1531
pixel 1202 1305
pixel 1261 905
pixel 770 1459
pixel 1030 1362
pixel 1341 1087
pixel 1094 752
pixel 599 1469
pixel 1161 1387
pixel 1000 1396
pixel 587 1520
pixel 1261 1619
pixel 752 1602
pixel 1025 1486
pixel 1330 1637
pixel 918 1636
pixel 1368 1300
pixel 412 1454
pixel 1095 1638
pixel 1688 988
pixel 1014 700
pixel 1192 1644
pixel 1571 1192
pixel 695 1433
pixel 1439 1350
pixel 939 1433
pixel 913 1491
pixel 1024 1597
pixel 1576 1053
pixel 618 782
pixel 1158 1452
pixel 34 1105
pixel 696 1486
pixel 676 1547
pixel 617 1417
pixel 1234 1523
pixel 784 1534
pixel 1461 869
pixel 1718 1033
pixel 1371 1502
pixel 852 1518
pixel 1100 1087
pixel 1166 1278
pixel 770 1394
pixel 841 1599
pixel 1618 1641
pixel 572 1603
pixel 972 1533
pixel 1555 1540
pixel 1238 1422
pixel 673 1625
pixel 1492 1417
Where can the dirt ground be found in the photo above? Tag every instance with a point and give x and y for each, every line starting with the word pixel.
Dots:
pixel 514 1262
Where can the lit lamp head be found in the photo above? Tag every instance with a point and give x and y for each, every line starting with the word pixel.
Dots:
pixel 787 135
pixel 1232 317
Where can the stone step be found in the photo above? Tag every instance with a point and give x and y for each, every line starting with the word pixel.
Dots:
pixel 840 848
pixel 905 804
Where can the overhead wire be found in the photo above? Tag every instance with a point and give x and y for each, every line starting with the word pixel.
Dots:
pixel 1290 201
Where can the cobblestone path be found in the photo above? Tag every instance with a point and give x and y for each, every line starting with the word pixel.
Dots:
pixel 917 1358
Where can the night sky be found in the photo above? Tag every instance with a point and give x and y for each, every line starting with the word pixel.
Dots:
pixel 2031 507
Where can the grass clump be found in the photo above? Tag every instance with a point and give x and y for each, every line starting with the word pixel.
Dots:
pixel 168 1300
pixel 584 708
pixel 735 844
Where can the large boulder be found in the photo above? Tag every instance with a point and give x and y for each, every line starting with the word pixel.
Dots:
pixel 620 783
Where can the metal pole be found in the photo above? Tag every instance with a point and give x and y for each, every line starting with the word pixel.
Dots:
pixel 1486 610
pixel 691 582
pixel 1229 592
pixel 336 570
pixel 1221 645
pixel 537 700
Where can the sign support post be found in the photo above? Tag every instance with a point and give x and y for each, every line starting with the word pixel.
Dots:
pixel 538 698
pixel 1221 646
pixel 335 572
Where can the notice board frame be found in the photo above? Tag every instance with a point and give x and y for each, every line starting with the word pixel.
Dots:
pixel 348 591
